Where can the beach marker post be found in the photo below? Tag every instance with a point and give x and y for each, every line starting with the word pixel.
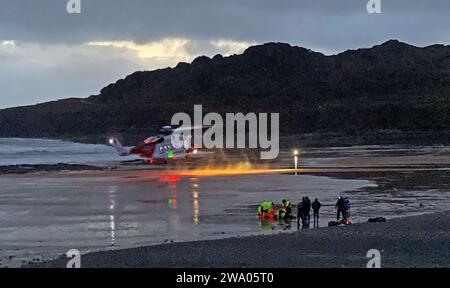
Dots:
pixel 295 161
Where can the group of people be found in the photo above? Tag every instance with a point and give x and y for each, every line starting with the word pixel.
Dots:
pixel 343 208
pixel 266 210
pixel 304 212
pixel 304 207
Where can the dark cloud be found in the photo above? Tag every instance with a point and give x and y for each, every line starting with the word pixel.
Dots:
pixel 323 24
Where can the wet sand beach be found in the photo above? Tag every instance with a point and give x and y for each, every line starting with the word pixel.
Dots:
pixel 419 241
pixel 49 211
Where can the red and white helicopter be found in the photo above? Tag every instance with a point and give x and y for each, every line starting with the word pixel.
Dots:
pixel 160 148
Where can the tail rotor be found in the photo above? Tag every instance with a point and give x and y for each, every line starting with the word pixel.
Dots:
pixel 114 142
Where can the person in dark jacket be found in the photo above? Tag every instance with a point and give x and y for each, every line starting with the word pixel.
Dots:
pixel 347 207
pixel 300 214
pixel 307 207
pixel 340 208
pixel 316 207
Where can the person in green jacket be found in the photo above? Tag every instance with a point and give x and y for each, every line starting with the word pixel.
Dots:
pixel 265 207
pixel 287 206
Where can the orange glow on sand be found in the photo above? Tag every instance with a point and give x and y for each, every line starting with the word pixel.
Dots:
pixel 233 169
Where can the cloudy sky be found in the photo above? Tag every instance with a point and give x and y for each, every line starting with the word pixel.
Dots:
pixel 47 54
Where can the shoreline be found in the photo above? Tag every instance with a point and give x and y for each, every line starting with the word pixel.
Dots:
pixel 35 168
pixel 311 140
pixel 413 241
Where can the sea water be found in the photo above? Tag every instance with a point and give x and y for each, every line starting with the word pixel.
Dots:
pixel 15 151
